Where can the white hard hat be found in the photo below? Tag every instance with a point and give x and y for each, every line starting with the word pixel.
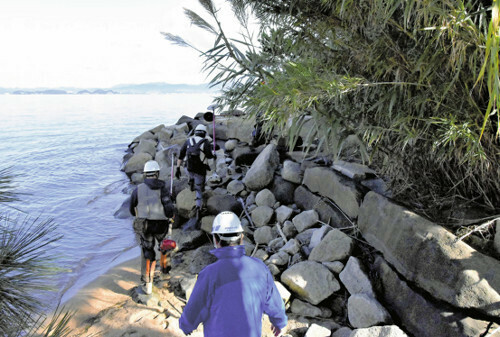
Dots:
pixel 201 127
pixel 227 223
pixel 151 166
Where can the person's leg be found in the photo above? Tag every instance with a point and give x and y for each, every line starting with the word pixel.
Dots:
pixel 199 186
pixel 148 261
pixel 191 180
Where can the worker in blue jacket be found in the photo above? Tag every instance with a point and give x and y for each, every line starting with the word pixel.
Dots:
pixel 231 294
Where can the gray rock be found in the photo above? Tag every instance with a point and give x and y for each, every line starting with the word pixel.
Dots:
pixel 145 135
pixel 235 187
pixel 365 311
pixel 164 134
pixel 136 162
pixel 147 146
pixel 240 128
pixel 335 266
pixel 273 269
pixel 190 240
pixel 378 186
pixel 280 258
pixel 182 128
pixel 185 201
pixel 243 155
pixel 305 237
pixel 318 236
pixel 206 223
pixel 429 256
pixel 137 178
pixel 219 203
pixel 124 211
pixel 329 184
pixel 308 310
pixel 283 190
pixel 379 331
pixel 262 215
pixel 261 254
pixel 291 172
pixel 342 332
pixel 230 145
pixel 283 213
pixel 327 212
pixel 418 315
pixel 275 244
pixel 285 294
pixel 139 296
pixel 310 281
pixel 291 247
pixel 334 246
pixel 316 330
pixel 289 229
pixel 305 220
pixel 261 172
pixel 265 198
pixel 355 278
pixel 354 171
pixel 296 258
pixel 263 235
pixel 187 285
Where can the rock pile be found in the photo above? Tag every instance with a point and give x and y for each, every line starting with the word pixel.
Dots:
pixel 348 261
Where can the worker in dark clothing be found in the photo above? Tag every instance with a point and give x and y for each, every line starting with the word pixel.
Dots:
pixel 195 152
pixel 152 206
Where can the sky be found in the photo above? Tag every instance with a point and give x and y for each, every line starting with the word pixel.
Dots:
pixel 98 43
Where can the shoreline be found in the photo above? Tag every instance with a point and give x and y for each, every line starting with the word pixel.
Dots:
pixel 107 290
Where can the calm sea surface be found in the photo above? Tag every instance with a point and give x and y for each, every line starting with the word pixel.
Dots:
pixel 67 151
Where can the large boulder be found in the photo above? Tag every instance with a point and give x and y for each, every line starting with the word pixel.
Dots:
pixel 417 314
pixel 226 202
pixel 365 311
pixel 240 128
pixel 136 163
pixel 261 172
pixel 265 198
pixel 327 183
pixel 310 281
pixel 328 213
pixel 334 246
pixel 355 279
pixel 431 257
pixel 185 201
pixel 146 145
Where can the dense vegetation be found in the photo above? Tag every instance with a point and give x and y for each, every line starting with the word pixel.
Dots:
pixel 26 267
pixel 415 84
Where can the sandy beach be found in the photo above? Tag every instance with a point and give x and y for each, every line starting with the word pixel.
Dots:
pixel 105 307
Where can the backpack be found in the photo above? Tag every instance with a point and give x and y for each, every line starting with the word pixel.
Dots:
pixel 193 160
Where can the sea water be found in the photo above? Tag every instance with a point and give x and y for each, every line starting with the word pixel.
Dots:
pixel 66 152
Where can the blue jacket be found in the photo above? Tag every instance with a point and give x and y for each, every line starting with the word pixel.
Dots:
pixel 231 295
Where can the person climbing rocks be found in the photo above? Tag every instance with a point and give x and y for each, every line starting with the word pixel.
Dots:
pixel 231 295
pixel 153 208
pixel 195 152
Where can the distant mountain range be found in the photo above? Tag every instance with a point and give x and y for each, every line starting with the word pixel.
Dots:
pixel 143 88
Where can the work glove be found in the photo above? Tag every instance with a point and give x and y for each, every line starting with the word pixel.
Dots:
pixel 178 173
